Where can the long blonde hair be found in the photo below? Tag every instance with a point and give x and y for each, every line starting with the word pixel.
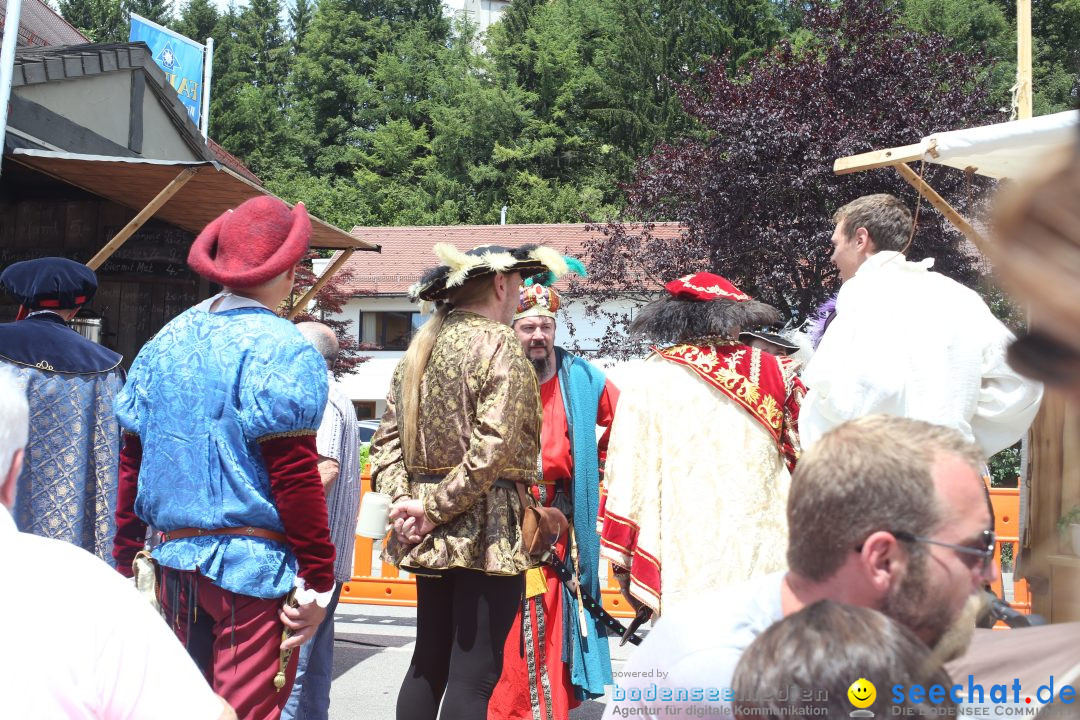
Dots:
pixel 418 354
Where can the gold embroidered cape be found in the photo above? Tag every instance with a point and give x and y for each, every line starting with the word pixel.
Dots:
pixel 697 483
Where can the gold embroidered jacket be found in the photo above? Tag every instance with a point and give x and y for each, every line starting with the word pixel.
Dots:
pixel 479 421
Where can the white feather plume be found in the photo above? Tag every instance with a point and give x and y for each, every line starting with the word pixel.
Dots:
pixel 499 262
pixel 457 262
pixel 552 260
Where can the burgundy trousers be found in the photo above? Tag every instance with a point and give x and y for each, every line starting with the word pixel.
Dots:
pixel 233 638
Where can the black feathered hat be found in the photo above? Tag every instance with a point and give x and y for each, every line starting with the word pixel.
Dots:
pixel 459 266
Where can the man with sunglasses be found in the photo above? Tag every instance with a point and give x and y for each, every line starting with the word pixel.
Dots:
pixel 884 512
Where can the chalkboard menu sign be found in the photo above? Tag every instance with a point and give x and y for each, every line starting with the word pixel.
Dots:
pixel 160 251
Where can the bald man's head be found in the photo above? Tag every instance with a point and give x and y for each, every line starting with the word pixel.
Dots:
pixel 323 338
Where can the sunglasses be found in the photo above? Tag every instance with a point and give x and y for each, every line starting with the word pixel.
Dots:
pixel 980 554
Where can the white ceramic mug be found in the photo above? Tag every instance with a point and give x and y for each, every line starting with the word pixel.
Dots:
pixel 374 519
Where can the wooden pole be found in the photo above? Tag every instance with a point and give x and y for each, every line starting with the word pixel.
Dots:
pixel 145 214
pixel 1023 59
pixel 942 205
pixel 327 274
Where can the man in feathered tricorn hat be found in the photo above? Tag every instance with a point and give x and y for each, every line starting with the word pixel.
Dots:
pixel 576 398
pixel 219 456
pixel 701 449
pixel 461 429
pixel 67 487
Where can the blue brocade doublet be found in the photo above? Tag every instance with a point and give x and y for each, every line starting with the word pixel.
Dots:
pixel 67 487
pixel 200 396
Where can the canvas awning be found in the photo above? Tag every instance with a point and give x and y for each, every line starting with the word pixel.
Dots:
pixel 1004 150
pixel 210 190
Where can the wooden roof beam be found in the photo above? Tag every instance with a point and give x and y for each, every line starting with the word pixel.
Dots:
pixel 951 214
pixel 323 279
pixel 140 219
pixel 880 158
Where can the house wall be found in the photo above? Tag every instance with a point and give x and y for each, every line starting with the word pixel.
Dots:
pixel 371 380
pixel 91 101
pixel 161 140
pixel 484 13
pixel 120 107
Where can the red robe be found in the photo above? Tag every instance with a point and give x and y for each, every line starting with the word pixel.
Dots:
pixel 512 698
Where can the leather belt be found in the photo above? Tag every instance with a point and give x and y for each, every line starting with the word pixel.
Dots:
pixel 246 531
pixel 431 479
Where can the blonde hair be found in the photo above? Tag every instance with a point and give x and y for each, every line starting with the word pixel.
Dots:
pixel 873 473
pixel 418 354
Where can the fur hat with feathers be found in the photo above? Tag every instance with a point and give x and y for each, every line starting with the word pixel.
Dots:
pixel 670 320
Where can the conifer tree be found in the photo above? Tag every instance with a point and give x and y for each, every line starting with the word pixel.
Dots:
pixel 100 20
pixel 158 11
pixel 198 20
pixel 299 21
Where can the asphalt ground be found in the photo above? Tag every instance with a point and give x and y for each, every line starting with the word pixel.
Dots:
pixel 372 648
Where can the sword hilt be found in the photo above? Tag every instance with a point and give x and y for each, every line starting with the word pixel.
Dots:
pixel 285 655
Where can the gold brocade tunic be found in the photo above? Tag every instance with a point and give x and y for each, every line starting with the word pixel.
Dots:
pixel 479 421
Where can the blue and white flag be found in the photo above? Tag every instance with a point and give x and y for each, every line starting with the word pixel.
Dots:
pixel 181 58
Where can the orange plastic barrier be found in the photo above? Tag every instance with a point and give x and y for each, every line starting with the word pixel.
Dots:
pixel 390 587
pixel 1006 502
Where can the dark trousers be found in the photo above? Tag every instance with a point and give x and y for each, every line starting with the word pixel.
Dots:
pixel 233 638
pixel 462 620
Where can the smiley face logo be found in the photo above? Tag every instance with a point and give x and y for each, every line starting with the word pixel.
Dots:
pixel 862 693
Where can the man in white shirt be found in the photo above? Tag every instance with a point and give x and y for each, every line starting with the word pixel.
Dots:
pixel 885 513
pixel 910 342
pixel 99 653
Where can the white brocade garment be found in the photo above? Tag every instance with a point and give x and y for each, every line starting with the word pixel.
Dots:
pixel 704 483
pixel 910 342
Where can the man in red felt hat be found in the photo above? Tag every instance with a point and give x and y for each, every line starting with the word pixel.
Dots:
pixel 701 449
pixel 67 488
pixel 220 414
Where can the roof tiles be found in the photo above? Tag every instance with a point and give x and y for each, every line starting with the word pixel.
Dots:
pixel 406 251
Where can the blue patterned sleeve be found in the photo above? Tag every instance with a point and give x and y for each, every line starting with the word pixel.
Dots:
pixel 283 390
pixel 127 402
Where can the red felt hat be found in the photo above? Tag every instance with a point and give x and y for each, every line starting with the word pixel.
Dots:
pixel 704 287
pixel 252 244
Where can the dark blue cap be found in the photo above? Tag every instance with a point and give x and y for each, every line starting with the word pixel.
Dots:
pixel 49 282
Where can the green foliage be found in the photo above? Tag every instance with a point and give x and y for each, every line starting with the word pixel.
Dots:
pixel 247 101
pixel 1005 467
pixel 1072 517
pixel 365 450
pixel 300 15
pixel 1004 307
pixel 100 20
pixel 198 20
pixel 389 112
pixel 159 11
pixel 989 26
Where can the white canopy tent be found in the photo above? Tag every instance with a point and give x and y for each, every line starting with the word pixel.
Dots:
pixel 1004 150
